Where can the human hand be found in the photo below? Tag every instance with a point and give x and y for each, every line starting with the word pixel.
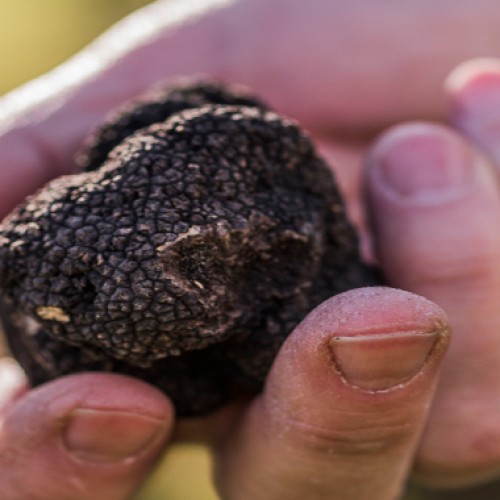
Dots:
pixel 43 125
pixel 344 69
pixel 80 437
pixel 436 207
pixel 340 416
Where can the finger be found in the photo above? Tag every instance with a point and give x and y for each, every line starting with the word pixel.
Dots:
pixel 43 123
pixel 436 212
pixel 253 42
pixel 344 403
pixel 12 382
pixel 473 91
pixel 80 437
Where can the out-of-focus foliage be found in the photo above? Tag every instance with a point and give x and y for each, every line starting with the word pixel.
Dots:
pixel 35 36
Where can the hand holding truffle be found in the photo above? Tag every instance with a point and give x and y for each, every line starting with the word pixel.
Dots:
pixel 349 389
pixel 347 397
pixel 185 256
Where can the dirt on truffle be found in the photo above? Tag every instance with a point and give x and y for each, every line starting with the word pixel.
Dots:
pixel 202 230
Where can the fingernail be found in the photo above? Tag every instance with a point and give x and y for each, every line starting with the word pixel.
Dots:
pixel 475 90
pixel 111 436
pixel 381 361
pixel 422 163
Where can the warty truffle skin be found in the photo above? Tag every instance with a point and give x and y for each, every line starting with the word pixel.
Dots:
pixel 183 256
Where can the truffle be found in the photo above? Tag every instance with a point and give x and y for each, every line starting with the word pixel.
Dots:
pixel 202 230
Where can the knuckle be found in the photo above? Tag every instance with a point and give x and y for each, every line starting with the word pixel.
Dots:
pixel 353 435
pixel 359 441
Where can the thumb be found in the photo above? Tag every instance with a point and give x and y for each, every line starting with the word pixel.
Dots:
pixel 80 437
pixel 344 405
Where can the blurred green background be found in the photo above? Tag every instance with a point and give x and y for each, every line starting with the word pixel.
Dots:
pixel 35 36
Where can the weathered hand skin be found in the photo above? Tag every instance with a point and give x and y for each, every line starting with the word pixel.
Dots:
pixel 183 256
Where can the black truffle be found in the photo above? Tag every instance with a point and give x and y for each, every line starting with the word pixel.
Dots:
pixel 183 256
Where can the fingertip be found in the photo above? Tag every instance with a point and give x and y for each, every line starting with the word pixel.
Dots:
pixel 350 387
pixel 105 391
pixel 473 91
pixel 419 163
pixel 106 429
pixel 114 398
pixel 373 309
pixel 373 338
pixel 424 181
pixel 472 74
